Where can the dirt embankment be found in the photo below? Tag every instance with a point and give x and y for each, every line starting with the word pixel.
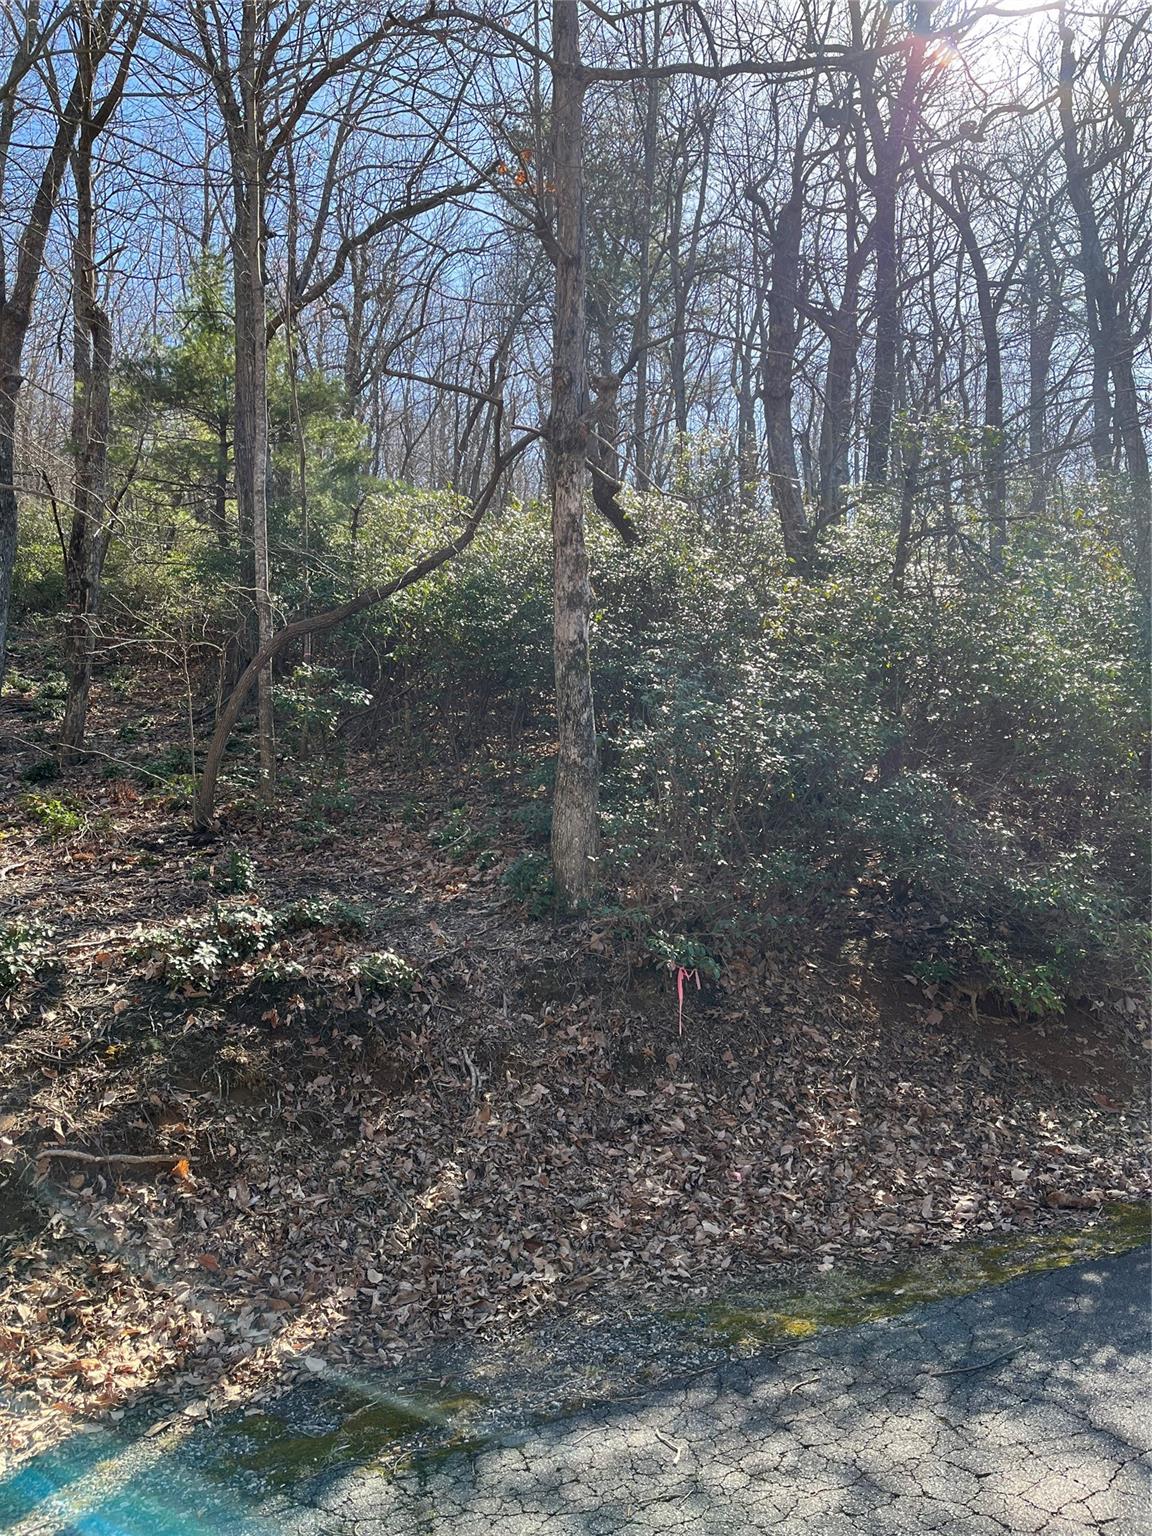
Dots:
pixel 382 1106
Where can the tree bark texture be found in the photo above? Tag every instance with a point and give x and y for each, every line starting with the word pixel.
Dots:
pixel 251 446
pixel 575 811
pixel 91 391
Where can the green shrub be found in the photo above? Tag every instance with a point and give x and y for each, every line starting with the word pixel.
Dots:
pixel 197 950
pixel 947 765
pixel 312 700
pixel 174 764
pixel 331 912
pixel 57 818
pixel 54 686
pixel 456 831
pixel 25 951
pixel 277 971
pixel 385 971
pixel 954 766
pixel 528 880
pixel 44 770
pixel 234 875
pixel 940 762
pixel 679 952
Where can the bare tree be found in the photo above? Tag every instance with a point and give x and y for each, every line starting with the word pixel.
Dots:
pixel 1113 344
pixel 267 75
pixel 38 38
pixel 91 380
pixel 575 816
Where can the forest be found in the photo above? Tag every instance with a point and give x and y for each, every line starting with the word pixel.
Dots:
pixel 574 597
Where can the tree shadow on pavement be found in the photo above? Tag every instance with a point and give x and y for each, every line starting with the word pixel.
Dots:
pixel 1019 1408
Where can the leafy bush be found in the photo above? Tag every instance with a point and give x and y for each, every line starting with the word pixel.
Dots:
pixel 54 686
pixel 311 701
pixel 944 765
pixel 528 880
pixel 456 831
pixel 44 770
pixel 234 875
pixel 25 951
pixel 940 763
pixel 58 818
pixel 952 768
pixel 332 912
pixel 677 951
pixel 173 764
pixel 385 971
pixel 197 950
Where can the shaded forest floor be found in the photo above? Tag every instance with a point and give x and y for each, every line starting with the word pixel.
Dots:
pixel 414 1112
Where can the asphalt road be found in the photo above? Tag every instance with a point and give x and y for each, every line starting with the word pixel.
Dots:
pixel 1025 1408
pixel 887 1430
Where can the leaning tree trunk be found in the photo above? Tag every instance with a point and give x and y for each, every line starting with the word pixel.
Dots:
pixel 316 623
pixel 575 811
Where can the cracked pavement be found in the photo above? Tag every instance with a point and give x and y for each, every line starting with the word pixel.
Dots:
pixel 1023 1408
pixel 874 1431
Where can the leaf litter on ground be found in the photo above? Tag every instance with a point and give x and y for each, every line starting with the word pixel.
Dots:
pixel 349 1177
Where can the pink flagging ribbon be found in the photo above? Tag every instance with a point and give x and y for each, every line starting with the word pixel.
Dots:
pixel 683 974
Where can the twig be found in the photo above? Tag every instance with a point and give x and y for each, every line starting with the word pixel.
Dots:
pixel 981 1365
pixel 70 1154
pixel 45 751
pixel 673 1445
pixel 472 1072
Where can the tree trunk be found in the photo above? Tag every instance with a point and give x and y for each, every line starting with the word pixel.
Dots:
pixel 15 318
pixel 890 159
pixel 747 443
pixel 1113 343
pixel 10 381
pixel 1043 322
pixel 251 445
pixel 778 371
pixel 1101 394
pixel 221 482
pixel 992 457
pixel 835 418
pixel 575 811
pixel 882 404
pixel 91 389
pixel 641 333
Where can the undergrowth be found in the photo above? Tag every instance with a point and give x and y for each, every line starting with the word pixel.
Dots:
pixel 197 951
pixel 26 951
